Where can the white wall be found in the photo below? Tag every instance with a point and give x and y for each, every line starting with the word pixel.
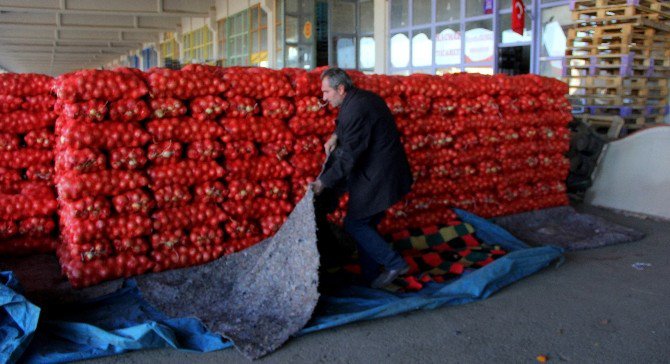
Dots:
pixel 226 8
pixel 634 174
pixel 190 24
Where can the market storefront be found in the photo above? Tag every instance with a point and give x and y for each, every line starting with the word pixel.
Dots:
pixel 443 36
pixel 415 36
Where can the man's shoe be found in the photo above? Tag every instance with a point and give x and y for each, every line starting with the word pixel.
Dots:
pixel 387 276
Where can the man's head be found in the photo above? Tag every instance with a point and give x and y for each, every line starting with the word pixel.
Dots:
pixel 335 83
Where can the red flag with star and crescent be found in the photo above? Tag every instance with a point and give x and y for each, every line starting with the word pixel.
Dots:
pixel 518 16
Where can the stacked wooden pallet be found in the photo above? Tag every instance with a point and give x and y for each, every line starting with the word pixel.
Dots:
pixel 618 61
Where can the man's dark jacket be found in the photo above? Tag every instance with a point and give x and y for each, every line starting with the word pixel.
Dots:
pixel 369 158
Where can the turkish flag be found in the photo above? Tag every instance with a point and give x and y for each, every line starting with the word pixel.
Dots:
pixel 518 16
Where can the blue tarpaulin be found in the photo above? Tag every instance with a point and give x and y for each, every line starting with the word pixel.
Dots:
pixel 123 321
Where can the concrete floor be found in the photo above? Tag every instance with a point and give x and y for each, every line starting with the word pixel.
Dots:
pixel 595 308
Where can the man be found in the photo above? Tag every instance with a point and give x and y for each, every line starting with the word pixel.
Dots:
pixel 366 159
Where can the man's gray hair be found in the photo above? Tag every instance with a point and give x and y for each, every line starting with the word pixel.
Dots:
pixel 336 77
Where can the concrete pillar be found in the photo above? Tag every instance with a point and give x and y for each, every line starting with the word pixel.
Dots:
pixel 179 40
pixel 160 56
pixel 211 24
pixel 269 6
pixel 381 10
pixel 140 57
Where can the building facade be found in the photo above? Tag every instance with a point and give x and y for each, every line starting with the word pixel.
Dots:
pixel 382 36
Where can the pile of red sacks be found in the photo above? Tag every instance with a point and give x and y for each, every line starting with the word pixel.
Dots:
pixel 27 199
pixel 492 145
pixel 170 168
pixel 101 175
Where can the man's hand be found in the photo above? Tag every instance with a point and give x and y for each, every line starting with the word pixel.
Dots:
pixel 317 187
pixel 330 144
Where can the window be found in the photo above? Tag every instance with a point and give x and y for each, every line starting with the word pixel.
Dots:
pixel 475 8
pixel 485 70
pixel 435 36
pixel 447 10
pixel 149 58
pixel 507 4
pixel 352 34
pixel 205 47
pixel 238 39
pixel 444 71
pixel 367 53
pixel 300 36
pixel 133 61
pixel 399 14
pixel 421 12
pixel 479 44
pixel 366 16
pixel 343 17
pixel 345 52
pixel 343 33
pixel 555 22
pixel 292 59
pixel 279 35
pixel 170 48
pixel 221 30
pixel 510 36
pixel 422 48
pixel 187 45
pixel 448 45
pixel 551 68
pixel 292 32
pixel 197 45
pixel 292 6
pixel 400 50
pixel 258 32
pixel 366 40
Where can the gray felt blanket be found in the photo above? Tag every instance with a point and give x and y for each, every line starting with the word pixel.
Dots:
pixel 563 226
pixel 257 297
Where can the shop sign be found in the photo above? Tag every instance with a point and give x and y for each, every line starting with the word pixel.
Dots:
pixel 307 30
pixel 488 6
pixel 478 45
pixel 448 47
pixel 399 50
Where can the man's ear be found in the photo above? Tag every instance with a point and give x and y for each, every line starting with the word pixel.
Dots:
pixel 340 89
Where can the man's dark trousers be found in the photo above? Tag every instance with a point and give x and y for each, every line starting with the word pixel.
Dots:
pixel 373 250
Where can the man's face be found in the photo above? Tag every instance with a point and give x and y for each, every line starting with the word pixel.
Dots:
pixel 334 96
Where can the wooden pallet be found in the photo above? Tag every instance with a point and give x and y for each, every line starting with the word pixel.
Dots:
pixel 608 126
pixel 616 100
pixel 643 122
pixel 612 125
pixel 637 113
pixel 655 4
pixel 617 60
pixel 619 82
pixel 635 31
pixel 618 86
pixel 620 38
pixel 580 48
pixel 623 65
pixel 620 94
pixel 637 20
pixel 652 11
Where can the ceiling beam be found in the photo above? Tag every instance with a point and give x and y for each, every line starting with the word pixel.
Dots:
pixel 136 29
pixel 28 8
pixel 112 40
pixel 65 49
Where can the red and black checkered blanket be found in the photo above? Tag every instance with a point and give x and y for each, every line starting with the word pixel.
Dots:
pixel 437 253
